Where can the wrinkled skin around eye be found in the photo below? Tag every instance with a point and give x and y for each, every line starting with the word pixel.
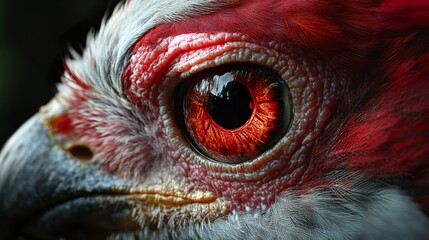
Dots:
pixel 314 89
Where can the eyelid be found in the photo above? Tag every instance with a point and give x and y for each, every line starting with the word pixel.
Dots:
pixel 186 54
pixel 234 52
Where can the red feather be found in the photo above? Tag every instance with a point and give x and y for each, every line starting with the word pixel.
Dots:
pixel 341 31
pixel 387 128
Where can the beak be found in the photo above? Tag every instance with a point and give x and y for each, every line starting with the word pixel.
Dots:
pixel 44 192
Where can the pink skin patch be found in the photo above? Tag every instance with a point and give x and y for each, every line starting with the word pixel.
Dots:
pixel 157 65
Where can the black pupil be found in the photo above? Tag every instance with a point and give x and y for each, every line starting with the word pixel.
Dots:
pixel 230 104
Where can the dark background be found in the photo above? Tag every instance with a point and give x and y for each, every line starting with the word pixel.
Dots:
pixel 34 37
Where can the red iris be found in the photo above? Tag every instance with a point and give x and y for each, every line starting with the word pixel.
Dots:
pixel 234 113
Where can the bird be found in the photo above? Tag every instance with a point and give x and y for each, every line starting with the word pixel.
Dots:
pixel 231 119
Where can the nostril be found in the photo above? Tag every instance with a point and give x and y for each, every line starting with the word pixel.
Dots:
pixel 81 152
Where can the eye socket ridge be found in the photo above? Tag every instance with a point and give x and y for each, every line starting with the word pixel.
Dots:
pixel 233 113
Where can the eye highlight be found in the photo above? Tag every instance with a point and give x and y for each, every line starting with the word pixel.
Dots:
pixel 233 113
pixel 229 102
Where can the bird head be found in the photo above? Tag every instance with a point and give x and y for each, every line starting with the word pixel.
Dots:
pixel 232 120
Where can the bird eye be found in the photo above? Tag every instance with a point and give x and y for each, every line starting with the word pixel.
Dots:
pixel 233 113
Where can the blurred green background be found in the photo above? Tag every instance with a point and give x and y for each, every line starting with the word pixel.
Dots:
pixel 34 37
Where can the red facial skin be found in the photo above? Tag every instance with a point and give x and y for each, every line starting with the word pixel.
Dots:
pixel 254 183
pixel 378 127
